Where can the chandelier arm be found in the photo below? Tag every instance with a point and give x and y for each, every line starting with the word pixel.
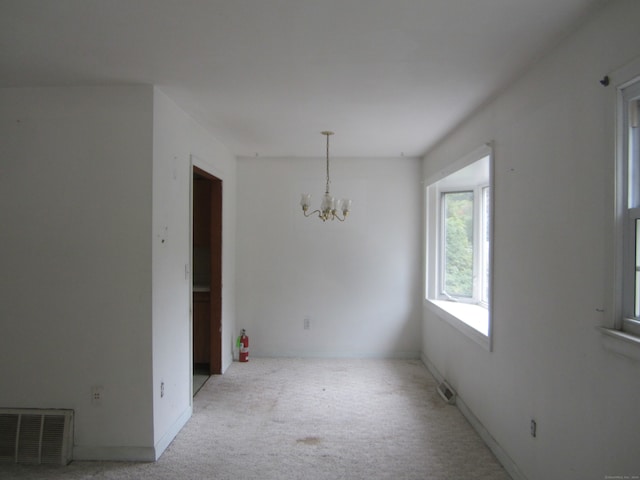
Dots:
pixel 311 213
pixel 335 215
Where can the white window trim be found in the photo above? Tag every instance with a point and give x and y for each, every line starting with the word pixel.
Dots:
pixel 628 215
pixel 621 335
pixel 462 316
pixel 472 320
pixel 622 343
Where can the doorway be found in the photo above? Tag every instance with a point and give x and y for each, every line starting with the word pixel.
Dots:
pixel 207 276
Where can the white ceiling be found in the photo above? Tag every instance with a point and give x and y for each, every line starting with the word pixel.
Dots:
pixel 266 76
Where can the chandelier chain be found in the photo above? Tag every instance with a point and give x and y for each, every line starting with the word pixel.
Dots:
pixel 328 181
pixel 330 208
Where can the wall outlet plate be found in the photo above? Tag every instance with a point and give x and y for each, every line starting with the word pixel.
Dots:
pixel 97 392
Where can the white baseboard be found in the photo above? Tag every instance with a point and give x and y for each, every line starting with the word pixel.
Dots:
pixel 432 369
pixel 116 454
pixel 335 355
pixel 133 454
pixel 171 433
pixel 506 461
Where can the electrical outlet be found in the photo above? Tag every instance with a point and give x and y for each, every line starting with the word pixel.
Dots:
pixel 97 392
pixel 533 428
pixel 307 323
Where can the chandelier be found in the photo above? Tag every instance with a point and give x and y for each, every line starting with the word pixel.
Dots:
pixel 329 207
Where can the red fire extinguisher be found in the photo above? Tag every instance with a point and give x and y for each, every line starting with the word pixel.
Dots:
pixel 243 346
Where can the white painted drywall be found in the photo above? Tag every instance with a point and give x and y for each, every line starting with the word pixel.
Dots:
pixel 94 188
pixel 177 141
pixel 554 202
pixel 75 289
pixel 357 281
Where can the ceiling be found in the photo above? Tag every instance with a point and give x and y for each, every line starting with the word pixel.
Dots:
pixel 390 77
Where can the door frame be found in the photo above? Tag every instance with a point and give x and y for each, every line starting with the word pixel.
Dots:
pixel 215 300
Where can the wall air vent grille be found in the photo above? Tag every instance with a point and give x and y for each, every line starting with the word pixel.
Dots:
pixel 447 393
pixel 36 436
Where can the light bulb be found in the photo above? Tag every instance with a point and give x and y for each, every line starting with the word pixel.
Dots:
pixel 328 202
pixel 305 200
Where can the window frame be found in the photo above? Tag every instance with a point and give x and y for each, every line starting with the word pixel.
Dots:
pixel 618 335
pixel 472 318
pixel 628 207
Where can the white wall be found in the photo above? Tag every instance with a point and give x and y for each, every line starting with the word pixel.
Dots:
pixel 177 141
pixel 358 281
pixel 75 289
pixel 554 203
pixel 95 194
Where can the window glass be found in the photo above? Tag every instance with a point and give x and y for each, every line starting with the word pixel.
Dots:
pixel 458 244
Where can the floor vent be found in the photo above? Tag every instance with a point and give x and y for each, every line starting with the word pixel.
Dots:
pixel 36 436
pixel 447 393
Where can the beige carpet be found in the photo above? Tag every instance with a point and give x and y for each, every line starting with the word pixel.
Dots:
pixel 199 379
pixel 278 419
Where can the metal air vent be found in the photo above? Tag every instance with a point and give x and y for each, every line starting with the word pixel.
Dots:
pixel 447 393
pixel 36 436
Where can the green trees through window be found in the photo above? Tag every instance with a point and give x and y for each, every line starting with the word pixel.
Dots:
pixel 458 244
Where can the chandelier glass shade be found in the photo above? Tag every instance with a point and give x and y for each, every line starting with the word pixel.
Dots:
pixel 330 207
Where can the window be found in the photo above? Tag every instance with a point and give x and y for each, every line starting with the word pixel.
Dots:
pixel 629 166
pixel 464 275
pixel 458 273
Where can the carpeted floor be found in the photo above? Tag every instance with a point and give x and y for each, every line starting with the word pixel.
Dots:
pixel 279 419
pixel 199 379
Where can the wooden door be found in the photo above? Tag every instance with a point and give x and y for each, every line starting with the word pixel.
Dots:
pixel 207 271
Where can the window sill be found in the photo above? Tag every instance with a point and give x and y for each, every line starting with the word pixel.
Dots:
pixel 471 320
pixel 621 343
